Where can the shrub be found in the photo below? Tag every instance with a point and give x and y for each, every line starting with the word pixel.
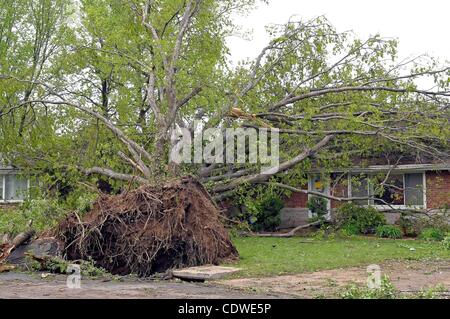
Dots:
pixel 435 292
pixel 435 234
pixel 44 213
pixel 388 231
pixel 350 229
pixel 446 241
pixel 413 224
pixel 386 291
pixel 267 214
pixel 318 206
pixel 356 219
pixel 57 265
pixel 407 225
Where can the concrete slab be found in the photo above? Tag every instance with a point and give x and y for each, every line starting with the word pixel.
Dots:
pixel 202 273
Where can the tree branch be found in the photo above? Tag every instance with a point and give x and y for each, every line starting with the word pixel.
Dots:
pixel 110 173
pixel 259 178
pixel 326 91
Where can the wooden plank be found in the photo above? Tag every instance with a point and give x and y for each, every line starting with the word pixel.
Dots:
pixel 203 273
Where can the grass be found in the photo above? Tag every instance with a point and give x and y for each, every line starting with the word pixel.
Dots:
pixel 261 257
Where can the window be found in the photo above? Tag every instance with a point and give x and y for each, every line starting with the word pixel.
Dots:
pixel 397 190
pixel 414 189
pixel 13 187
pixel 360 188
pixel 391 193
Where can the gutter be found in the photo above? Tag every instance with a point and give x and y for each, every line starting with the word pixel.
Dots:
pixel 392 168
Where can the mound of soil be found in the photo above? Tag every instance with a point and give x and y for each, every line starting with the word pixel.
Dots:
pixel 150 229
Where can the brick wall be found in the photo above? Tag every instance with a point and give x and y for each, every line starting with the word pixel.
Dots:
pixel 297 200
pixel 438 189
pixel 295 212
pixel 300 200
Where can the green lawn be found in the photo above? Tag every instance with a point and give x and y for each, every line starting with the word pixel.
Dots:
pixel 276 256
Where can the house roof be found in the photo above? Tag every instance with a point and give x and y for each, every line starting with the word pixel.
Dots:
pixel 394 163
pixel 397 168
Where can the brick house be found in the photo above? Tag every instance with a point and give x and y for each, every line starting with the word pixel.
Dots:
pixel 391 189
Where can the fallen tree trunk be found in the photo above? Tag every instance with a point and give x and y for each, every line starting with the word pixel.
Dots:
pixel 5 250
pixel 4 268
pixel 22 237
pixel 5 238
pixel 290 233
pixel 7 247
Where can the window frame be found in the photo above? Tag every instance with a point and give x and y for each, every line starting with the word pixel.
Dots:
pixel 390 207
pixel 3 200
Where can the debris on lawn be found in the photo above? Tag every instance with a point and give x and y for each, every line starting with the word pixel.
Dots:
pixel 5 250
pixel 8 246
pixel 44 247
pixel 4 268
pixel 290 233
pixel 57 265
pixel 148 230
pixel 202 273
pixel 5 238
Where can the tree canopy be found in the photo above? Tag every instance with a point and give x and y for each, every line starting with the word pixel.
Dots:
pixel 97 88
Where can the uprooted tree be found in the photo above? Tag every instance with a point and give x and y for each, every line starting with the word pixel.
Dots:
pixel 115 79
pixel 150 229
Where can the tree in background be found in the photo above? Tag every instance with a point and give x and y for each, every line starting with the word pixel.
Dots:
pixel 122 76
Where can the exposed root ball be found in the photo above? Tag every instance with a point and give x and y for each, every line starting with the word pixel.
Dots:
pixel 150 229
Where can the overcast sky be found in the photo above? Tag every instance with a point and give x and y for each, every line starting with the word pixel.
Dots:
pixel 422 26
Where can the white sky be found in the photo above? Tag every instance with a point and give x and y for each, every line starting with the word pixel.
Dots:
pixel 422 26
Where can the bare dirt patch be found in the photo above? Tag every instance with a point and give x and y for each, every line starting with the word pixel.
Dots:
pixel 407 276
pixel 23 285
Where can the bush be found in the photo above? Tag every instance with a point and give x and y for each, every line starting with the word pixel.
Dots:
pixel 407 225
pixel 434 234
pixel 388 231
pixel 414 225
pixel 446 241
pixel 386 291
pixel 356 219
pixel 267 215
pixel 435 292
pixel 45 213
pixel 56 265
pixel 350 229
pixel 318 206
